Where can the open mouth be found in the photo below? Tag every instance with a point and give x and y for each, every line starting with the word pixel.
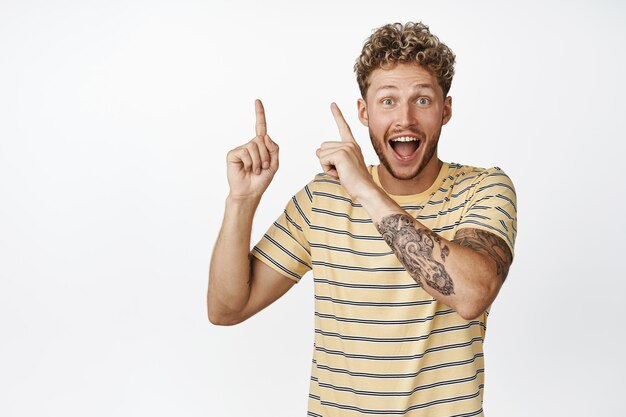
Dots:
pixel 405 146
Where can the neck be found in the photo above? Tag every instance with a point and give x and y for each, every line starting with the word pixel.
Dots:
pixel 416 185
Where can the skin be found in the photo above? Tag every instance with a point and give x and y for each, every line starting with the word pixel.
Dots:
pixel 465 273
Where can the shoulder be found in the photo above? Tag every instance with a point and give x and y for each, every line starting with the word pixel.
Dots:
pixel 321 188
pixel 490 205
pixel 325 185
pixel 473 178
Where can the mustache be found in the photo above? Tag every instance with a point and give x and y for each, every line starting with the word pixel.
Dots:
pixel 413 129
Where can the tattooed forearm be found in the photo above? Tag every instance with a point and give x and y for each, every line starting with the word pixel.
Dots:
pixel 414 249
pixel 487 244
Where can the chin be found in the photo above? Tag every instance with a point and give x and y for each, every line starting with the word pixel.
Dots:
pixel 405 174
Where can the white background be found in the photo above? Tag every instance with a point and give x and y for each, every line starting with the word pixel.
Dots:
pixel 115 119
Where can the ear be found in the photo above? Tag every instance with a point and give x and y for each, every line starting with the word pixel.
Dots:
pixel 362 109
pixel 447 110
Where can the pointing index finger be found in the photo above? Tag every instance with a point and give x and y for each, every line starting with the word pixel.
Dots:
pixel 261 126
pixel 344 129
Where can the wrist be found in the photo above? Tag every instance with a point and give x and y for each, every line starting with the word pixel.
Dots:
pixel 377 203
pixel 242 203
pixel 363 190
pixel 368 193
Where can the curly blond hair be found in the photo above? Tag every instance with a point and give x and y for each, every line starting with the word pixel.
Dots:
pixel 396 43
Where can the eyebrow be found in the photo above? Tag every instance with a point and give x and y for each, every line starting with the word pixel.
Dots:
pixel 418 86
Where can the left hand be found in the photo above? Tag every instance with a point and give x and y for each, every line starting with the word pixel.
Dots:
pixel 343 159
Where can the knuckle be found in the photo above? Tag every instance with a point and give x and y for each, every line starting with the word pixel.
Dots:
pixel 237 153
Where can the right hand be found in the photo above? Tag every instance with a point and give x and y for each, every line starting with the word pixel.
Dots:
pixel 251 167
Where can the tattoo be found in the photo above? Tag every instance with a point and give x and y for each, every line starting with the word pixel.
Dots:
pixel 488 244
pixel 445 251
pixel 414 249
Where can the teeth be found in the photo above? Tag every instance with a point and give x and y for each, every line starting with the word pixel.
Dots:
pixel 405 139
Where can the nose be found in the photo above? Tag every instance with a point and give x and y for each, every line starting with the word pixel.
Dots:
pixel 404 116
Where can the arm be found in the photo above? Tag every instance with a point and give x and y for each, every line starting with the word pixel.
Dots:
pixel 465 273
pixel 240 285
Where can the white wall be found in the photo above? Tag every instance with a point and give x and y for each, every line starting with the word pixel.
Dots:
pixel 115 119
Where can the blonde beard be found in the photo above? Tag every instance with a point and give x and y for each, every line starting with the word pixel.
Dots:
pixel 428 155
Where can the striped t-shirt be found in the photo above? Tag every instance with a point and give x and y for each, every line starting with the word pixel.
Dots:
pixel 383 345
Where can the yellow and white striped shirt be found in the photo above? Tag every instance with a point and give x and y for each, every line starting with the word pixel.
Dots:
pixel 384 346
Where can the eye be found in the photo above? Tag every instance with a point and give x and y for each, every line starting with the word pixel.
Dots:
pixel 387 101
pixel 423 101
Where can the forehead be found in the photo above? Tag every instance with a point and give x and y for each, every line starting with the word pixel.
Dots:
pixel 402 77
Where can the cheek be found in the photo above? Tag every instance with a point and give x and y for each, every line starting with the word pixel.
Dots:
pixel 432 123
pixel 378 125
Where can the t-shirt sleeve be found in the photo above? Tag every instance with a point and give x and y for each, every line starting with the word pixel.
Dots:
pixel 493 207
pixel 285 246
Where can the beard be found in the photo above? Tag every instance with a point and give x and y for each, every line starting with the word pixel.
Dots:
pixel 428 153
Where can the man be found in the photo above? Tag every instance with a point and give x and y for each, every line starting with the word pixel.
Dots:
pixel 407 256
